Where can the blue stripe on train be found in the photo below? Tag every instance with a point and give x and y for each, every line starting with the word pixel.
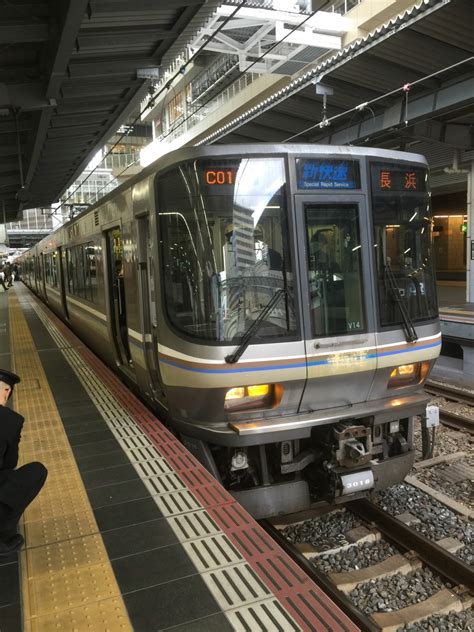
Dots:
pixel 279 367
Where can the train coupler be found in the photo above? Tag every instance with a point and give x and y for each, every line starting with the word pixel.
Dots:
pixel 354 444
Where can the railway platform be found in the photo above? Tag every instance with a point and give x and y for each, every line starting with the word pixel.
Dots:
pixel 457 327
pixel 130 532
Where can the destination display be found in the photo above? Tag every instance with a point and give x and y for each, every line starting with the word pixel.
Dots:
pixel 389 177
pixel 325 173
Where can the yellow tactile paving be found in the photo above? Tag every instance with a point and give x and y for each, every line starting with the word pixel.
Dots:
pixel 67 580
pixel 95 617
pixel 56 529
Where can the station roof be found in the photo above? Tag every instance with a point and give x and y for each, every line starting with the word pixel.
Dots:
pixel 70 73
pixel 428 49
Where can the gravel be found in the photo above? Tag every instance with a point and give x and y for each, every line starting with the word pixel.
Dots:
pixel 454 407
pixel 447 440
pixel 451 622
pixel 396 592
pixel 324 533
pixel 466 554
pixel 461 491
pixel 355 558
pixel 436 520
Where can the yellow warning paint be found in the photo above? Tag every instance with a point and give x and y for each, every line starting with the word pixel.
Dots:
pixel 67 580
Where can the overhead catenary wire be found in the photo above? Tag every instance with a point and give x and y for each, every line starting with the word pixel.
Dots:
pixel 243 72
pixel 240 75
pixel 168 85
pixel 150 104
pixel 180 72
pixel 366 104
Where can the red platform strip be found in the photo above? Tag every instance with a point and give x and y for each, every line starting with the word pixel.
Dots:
pixel 285 579
pixel 302 598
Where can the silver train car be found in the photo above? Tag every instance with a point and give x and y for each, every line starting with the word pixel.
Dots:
pixel 275 304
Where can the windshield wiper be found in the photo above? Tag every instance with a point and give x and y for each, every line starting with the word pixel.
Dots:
pixel 410 332
pixel 254 327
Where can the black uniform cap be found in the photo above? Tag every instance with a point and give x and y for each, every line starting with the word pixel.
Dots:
pixel 9 378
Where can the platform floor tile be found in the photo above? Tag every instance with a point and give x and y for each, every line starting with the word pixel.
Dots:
pixel 66 575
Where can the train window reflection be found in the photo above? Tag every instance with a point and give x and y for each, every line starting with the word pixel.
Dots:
pixel 51 269
pixel 228 248
pixel 402 237
pixel 81 271
pixel 334 269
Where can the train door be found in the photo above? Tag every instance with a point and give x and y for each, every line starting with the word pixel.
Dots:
pixel 43 276
pixel 336 286
pixel 62 279
pixel 38 274
pixel 147 301
pixel 117 295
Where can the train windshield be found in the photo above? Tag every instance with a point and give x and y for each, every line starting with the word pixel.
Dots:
pixel 334 268
pixel 225 225
pixel 402 241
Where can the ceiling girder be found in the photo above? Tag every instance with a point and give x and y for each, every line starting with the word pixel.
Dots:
pixel 68 72
pixel 70 28
pixel 448 95
pixel 23 33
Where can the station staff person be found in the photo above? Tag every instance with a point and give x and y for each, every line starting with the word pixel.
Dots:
pixel 18 487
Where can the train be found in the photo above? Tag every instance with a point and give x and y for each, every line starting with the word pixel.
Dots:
pixel 274 304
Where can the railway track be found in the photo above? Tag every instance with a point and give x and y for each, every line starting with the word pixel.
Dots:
pixel 449 417
pixel 417 552
pixel 459 422
pixel 452 394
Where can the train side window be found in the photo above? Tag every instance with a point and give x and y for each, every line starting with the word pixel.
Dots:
pixel 81 271
pixel 50 269
pixel 91 270
pixel 334 269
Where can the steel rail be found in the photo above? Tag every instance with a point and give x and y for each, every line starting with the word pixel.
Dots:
pixel 448 417
pixel 449 393
pixel 433 555
pixel 338 597
pixel 454 420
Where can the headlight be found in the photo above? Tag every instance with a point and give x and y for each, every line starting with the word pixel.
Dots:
pixel 408 374
pixel 252 397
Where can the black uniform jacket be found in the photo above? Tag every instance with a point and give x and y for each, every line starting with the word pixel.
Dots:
pixel 11 424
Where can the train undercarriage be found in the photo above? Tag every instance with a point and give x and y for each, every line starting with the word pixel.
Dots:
pixel 336 463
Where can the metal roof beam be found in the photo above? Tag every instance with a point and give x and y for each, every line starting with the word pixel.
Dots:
pixel 70 27
pixel 24 96
pixel 185 17
pixel 78 119
pixel 9 126
pixel 23 33
pixel 280 121
pixel 6 181
pixel 72 24
pixel 7 150
pixel 457 94
pixel 92 91
pixel 138 93
pixel 120 37
pixel 108 67
pixel 8 168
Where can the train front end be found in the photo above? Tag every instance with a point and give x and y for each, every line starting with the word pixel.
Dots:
pixel 299 317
